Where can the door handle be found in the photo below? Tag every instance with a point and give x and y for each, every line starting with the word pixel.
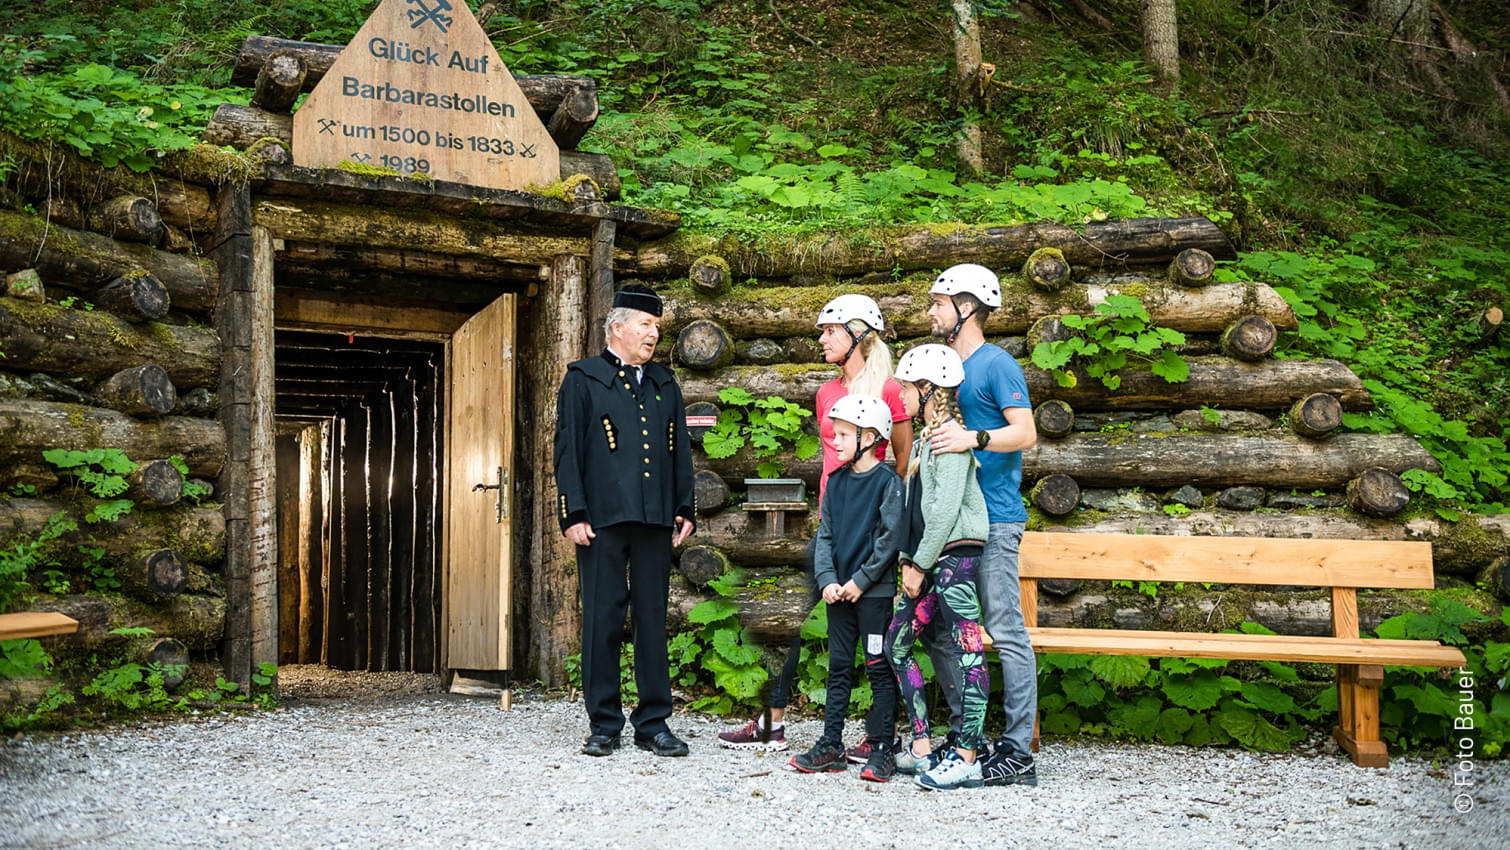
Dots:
pixel 500 508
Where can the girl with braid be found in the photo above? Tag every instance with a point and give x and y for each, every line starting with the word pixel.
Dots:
pixel 940 563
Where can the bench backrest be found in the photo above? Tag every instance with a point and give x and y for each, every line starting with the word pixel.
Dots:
pixel 1342 565
pixel 1227 560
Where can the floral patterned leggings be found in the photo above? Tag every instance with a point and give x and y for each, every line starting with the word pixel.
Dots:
pixel 949 601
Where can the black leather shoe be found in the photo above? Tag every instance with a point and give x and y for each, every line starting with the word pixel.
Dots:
pixel 662 744
pixel 600 745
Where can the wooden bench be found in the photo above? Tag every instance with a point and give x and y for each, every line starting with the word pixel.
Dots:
pixel 1341 565
pixel 31 624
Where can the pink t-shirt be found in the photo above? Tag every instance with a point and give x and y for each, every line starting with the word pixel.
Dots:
pixel 891 393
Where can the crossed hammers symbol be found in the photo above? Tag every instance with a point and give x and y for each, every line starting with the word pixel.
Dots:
pixel 433 14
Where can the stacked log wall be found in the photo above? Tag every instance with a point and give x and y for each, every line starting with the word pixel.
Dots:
pixel 1221 453
pixel 116 350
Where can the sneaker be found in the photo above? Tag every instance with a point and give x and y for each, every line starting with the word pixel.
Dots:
pixel 1004 767
pixel 860 753
pixel 880 767
pixel 950 773
pixel 824 757
pixel 747 737
pixel 910 763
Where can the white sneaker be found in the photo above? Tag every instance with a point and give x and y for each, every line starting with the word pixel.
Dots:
pixel 953 772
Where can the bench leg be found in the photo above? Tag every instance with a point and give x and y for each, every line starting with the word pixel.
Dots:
pixel 1358 707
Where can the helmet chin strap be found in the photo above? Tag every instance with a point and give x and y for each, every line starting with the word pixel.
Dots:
pixel 950 337
pixel 923 401
pixel 854 342
pixel 859 451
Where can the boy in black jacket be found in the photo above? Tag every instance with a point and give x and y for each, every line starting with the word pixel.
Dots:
pixel 855 566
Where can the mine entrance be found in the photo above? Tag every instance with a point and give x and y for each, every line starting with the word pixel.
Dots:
pixel 394 441
pixel 360 474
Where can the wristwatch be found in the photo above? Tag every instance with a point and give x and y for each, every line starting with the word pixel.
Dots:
pixel 982 439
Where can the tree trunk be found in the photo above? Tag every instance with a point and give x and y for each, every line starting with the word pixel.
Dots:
pixel 1406 20
pixel 1496 578
pixel 709 492
pixel 969 85
pixel 134 219
pixel 135 298
pixel 1489 324
pixel 279 82
pixel 143 390
pixel 25 285
pixel 1316 416
pixel 709 275
pixel 153 575
pixel 770 611
pixel 575 115
pixel 1214 381
pixel 1056 495
pixel 1054 418
pixel 196 534
pixel 1106 244
pixel 1250 338
pixel 196 621
pixel 1046 269
pixel 1192 267
pixel 1161 40
pixel 704 345
pixel 741 537
pixel 156 483
pixel 90 344
pixel 788 311
pixel 701 564
pixel 1377 492
pixel 1170 460
pixel 27 428
pixel 82 261
pixel 341 224
pixel 65 183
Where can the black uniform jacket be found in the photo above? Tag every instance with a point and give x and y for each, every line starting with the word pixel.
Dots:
pixel 622 454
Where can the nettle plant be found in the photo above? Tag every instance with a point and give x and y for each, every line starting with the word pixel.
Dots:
pixel 767 425
pixel 1109 339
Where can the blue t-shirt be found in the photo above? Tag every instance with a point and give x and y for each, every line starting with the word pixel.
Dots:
pixel 993 383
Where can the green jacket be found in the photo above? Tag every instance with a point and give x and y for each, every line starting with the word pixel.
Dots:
pixel 954 508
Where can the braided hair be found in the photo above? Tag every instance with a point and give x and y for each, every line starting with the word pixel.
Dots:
pixel 945 408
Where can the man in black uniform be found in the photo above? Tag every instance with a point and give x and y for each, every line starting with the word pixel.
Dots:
pixel 624 475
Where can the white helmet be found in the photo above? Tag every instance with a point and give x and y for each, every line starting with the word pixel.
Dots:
pixel 969 278
pixel 937 364
pixel 846 308
pixel 863 411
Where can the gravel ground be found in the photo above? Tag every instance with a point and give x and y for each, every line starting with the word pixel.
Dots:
pixel 383 760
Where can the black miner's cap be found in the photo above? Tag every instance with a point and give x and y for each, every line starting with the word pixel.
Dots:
pixel 638 297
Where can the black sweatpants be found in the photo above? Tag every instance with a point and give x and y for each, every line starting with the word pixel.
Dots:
pixel 605 597
pixel 864 621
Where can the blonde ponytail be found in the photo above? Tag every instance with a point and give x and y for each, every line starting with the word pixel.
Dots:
pixel 877 354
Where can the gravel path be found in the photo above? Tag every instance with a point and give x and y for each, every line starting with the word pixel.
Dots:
pixel 383 760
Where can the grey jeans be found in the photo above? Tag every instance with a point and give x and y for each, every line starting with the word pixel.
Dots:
pixel 1001 615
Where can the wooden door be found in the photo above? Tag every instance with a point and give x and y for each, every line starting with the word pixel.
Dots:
pixel 478 489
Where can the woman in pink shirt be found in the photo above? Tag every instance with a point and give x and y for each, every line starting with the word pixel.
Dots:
pixel 850 329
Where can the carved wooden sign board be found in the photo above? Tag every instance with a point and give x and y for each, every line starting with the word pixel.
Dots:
pixel 420 90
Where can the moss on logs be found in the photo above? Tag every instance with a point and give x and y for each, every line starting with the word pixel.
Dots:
pixel 1213 381
pixel 912 247
pixel 82 343
pixel 1266 460
pixel 196 621
pixel 27 428
pixel 196 533
pixel 784 311
pixel 81 260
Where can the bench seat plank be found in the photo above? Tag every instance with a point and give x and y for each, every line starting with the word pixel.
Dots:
pixel 30 624
pixel 1326 650
pixel 1227 560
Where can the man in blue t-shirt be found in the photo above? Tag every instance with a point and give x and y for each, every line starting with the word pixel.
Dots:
pixel 998 426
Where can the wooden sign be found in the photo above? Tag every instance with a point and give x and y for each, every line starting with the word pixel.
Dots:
pixel 420 90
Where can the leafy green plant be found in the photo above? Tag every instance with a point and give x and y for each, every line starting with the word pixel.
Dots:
pixel 26 554
pixel 767 425
pixel 1106 342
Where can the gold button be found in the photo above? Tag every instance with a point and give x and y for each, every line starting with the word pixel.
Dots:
pixel 642 419
pixel 645 433
pixel 647 475
pixel 647 460
pixel 647 445
pixel 621 373
pixel 642 407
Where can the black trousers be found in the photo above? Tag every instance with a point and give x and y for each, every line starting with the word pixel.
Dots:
pixel 605 598
pixel 864 621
